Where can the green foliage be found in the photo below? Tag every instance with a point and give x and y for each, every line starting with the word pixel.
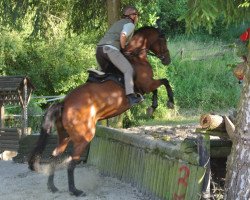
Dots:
pixel 204 13
pixel 54 68
pixel 88 15
pixel 169 12
pixel 53 19
pixel 202 79
pixel 39 40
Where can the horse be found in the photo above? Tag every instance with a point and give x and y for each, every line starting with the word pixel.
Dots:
pixel 136 52
pixel 75 117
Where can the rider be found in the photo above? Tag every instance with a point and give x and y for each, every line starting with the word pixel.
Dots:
pixel 111 46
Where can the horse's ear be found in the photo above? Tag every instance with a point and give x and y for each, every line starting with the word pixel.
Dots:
pixel 158 24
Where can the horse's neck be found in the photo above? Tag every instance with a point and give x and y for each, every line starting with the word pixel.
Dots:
pixel 138 42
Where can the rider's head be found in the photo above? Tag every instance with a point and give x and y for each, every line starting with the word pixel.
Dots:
pixel 131 12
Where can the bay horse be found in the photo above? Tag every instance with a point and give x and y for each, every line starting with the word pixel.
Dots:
pixel 76 116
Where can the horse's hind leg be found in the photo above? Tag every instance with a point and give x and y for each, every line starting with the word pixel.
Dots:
pixel 80 142
pixel 54 160
pixel 170 102
pixel 50 184
pixel 79 147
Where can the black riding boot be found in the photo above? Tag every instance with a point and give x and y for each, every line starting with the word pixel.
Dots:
pixel 134 99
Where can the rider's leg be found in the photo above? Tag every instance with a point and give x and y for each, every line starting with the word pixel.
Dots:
pixel 118 59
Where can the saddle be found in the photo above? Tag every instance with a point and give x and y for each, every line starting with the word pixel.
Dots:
pixel 100 77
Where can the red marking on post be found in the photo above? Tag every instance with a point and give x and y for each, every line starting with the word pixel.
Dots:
pixel 182 181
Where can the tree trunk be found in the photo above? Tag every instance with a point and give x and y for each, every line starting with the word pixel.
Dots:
pixel 114 8
pixel 238 165
pixel 1 115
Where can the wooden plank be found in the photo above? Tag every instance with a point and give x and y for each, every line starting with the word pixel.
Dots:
pixel 192 179
pixel 11 134
pixel 3 138
pixel 5 147
pixel 9 142
pixel 8 129
pixel 170 165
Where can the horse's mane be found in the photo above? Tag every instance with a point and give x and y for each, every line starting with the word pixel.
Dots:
pixel 144 28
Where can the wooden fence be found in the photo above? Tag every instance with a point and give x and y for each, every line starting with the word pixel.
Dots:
pixel 162 170
pixel 9 139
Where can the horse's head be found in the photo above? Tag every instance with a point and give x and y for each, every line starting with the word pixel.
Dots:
pixel 158 46
pixel 151 39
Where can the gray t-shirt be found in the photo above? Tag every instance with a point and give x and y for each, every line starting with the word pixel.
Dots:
pixel 112 36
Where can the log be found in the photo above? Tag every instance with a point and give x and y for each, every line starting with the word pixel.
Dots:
pixel 212 122
pixel 229 127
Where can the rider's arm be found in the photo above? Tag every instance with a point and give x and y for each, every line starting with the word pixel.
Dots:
pixel 127 30
pixel 123 40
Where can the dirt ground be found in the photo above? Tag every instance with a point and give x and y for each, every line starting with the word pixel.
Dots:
pixel 17 182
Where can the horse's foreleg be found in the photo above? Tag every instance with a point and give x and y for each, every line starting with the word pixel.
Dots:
pixel 155 99
pixel 170 102
pixel 154 105
pixel 153 85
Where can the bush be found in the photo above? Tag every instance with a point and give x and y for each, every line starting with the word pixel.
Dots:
pixel 54 68
pixel 169 12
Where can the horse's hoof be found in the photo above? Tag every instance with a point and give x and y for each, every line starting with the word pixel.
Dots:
pixel 53 189
pixel 150 111
pixel 77 193
pixel 170 105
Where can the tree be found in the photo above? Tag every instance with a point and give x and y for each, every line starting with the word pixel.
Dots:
pixel 205 13
pixel 53 19
pixel 238 172
pixel 113 11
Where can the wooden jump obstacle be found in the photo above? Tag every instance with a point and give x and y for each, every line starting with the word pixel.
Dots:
pixel 161 169
pixel 14 90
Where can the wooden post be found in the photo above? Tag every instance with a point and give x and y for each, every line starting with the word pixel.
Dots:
pixel 203 144
pixel 114 7
pixel 25 111
pixel 1 116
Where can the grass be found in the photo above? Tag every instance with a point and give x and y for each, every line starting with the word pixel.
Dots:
pixel 202 80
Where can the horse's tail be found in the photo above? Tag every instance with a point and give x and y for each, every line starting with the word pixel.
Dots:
pixel 53 112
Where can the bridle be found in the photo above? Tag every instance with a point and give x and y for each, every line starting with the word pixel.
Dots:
pixel 161 56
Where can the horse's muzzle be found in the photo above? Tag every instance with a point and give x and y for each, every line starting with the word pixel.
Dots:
pixel 166 61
